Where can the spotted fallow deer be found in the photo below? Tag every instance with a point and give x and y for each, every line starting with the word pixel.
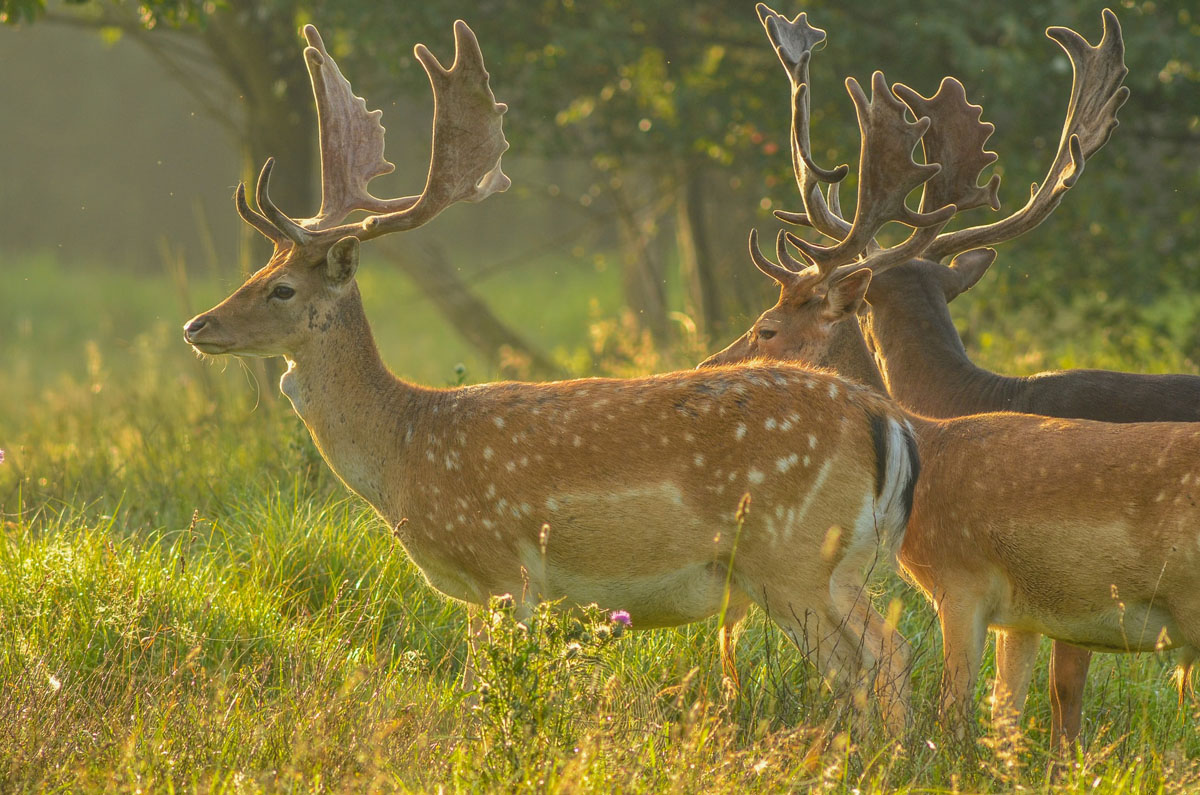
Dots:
pixel 908 326
pixel 618 492
pixel 1083 531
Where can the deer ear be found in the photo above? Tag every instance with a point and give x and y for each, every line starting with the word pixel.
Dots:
pixel 342 261
pixel 969 267
pixel 846 295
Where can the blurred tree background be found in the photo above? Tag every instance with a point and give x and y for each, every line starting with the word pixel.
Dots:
pixel 647 137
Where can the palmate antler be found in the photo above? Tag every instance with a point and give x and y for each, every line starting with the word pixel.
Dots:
pixel 952 137
pixel 468 141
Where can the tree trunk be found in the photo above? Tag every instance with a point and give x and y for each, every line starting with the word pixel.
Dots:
pixel 697 265
pixel 642 269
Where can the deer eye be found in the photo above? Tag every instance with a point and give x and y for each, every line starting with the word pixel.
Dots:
pixel 766 333
pixel 282 292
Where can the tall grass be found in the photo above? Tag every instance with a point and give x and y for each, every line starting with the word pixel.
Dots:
pixel 190 601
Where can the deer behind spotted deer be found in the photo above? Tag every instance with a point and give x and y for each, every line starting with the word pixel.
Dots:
pixel 618 492
pixel 1082 531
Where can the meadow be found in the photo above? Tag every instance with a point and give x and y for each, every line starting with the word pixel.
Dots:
pixel 191 601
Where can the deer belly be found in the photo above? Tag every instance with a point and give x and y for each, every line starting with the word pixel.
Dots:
pixel 1119 627
pixel 680 596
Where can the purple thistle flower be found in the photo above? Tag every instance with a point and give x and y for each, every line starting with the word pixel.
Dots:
pixel 621 617
pixel 1 455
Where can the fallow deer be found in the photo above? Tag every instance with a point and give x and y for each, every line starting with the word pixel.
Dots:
pixel 618 492
pixel 999 550
pixel 908 326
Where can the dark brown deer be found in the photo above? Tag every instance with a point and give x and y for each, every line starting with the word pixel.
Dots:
pixel 618 492
pixel 921 357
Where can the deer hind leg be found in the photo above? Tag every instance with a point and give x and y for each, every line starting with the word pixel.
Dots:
pixel 964 633
pixel 1016 653
pixel 1068 675
pixel 880 647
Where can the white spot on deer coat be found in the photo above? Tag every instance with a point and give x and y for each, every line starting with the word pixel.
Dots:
pixel 787 462
pixel 740 433
pixel 770 424
pixel 488 453
pixel 754 476
pixel 499 421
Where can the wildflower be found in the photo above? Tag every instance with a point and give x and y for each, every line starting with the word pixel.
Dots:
pixel 1 456
pixel 620 617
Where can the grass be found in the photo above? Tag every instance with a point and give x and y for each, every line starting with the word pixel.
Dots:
pixel 190 601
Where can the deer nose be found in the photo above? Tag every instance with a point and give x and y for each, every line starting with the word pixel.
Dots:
pixel 193 326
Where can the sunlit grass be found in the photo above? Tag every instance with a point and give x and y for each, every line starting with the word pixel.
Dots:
pixel 189 600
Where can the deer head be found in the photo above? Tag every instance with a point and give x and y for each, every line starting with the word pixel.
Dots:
pixel 313 265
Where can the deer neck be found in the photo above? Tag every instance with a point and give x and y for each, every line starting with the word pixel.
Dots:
pixel 351 403
pixel 918 350
pixel 849 356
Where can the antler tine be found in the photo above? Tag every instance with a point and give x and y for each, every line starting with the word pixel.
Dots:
pixel 791 263
pixel 1096 96
pixel 256 220
pixel 285 225
pixel 794 41
pixel 781 274
pixel 887 173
